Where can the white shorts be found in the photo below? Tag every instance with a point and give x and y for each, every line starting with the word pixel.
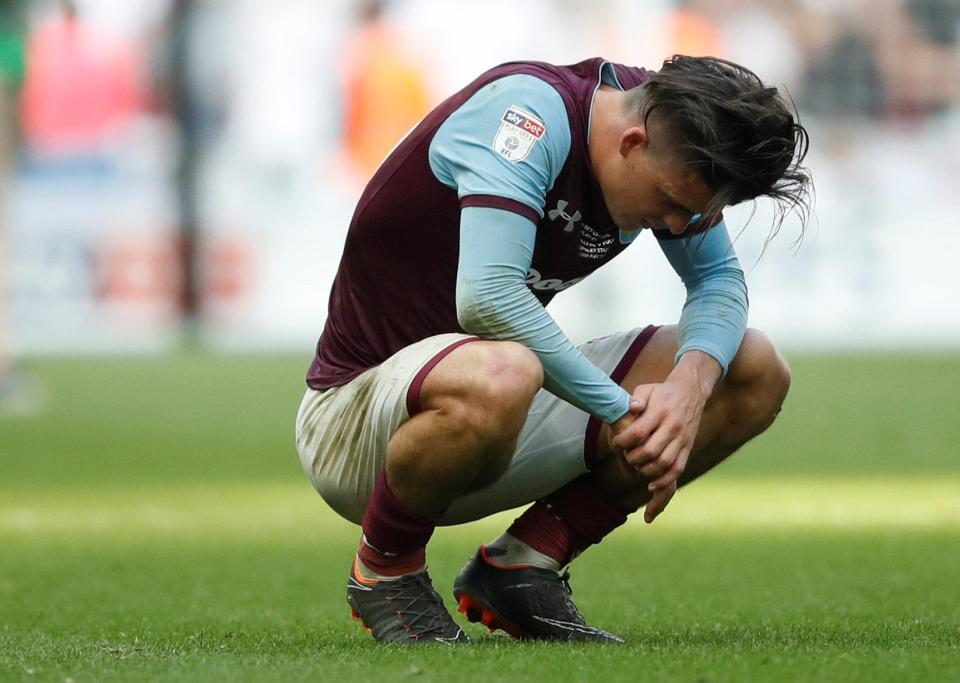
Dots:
pixel 342 433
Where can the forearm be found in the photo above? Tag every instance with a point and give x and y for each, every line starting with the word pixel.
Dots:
pixel 494 302
pixel 714 317
pixel 698 371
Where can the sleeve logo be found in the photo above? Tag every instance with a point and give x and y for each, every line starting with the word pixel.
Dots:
pixel 518 133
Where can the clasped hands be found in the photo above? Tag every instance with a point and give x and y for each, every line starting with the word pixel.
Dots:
pixel 656 437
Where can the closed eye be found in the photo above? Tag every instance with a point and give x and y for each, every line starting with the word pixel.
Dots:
pixel 675 205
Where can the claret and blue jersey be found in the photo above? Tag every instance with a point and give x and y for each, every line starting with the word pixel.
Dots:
pixel 483 213
pixel 547 178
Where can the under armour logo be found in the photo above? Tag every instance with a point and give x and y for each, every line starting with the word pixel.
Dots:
pixel 559 212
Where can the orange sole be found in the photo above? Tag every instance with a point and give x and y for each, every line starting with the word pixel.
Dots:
pixel 356 616
pixel 476 611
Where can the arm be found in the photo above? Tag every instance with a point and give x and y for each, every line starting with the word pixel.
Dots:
pixel 496 245
pixel 496 248
pixel 714 316
pixel 712 325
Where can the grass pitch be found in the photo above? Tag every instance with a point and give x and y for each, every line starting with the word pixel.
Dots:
pixel 154 524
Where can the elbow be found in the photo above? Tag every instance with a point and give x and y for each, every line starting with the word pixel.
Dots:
pixel 473 314
pixel 482 319
pixel 489 308
pixel 466 305
pixel 473 310
pixel 469 316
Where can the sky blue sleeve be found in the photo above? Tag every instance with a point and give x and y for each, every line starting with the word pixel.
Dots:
pixel 493 301
pixel 510 139
pixel 714 317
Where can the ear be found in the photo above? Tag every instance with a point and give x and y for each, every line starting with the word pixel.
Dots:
pixel 634 136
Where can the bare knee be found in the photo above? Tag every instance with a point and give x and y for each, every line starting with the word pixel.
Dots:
pixel 760 377
pixel 508 372
pixel 478 398
pixel 473 404
pixel 489 385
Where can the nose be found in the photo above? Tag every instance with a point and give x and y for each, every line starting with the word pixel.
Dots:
pixel 677 223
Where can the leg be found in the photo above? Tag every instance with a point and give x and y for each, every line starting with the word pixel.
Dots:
pixel 743 406
pixel 561 525
pixel 475 402
pixel 473 405
pixel 8 126
pixel 20 394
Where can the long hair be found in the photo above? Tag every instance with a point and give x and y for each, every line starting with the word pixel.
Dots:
pixel 740 135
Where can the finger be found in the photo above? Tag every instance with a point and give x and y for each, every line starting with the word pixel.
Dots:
pixel 651 420
pixel 642 395
pixel 653 456
pixel 658 504
pixel 664 459
pixel 633 436
pixel 627 440
pixel 639 455
pixel 652 447
pixel 671 474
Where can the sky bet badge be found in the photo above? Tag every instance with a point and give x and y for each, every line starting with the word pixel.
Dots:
pixel 518 133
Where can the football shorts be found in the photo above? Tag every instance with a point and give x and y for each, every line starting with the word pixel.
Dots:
pixel 342 433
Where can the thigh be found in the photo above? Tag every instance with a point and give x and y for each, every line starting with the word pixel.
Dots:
pixel 558 441
pixel 342 433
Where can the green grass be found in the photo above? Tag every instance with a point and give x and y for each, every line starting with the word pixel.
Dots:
pixel 155 525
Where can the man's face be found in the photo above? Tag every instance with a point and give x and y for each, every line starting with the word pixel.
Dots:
pixel 649 186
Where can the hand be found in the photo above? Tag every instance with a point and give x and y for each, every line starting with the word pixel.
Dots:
pixel 623 436
pixel 616 428
pixel 660 498
pixel 658 433
pixel 658 442
pixel 658 503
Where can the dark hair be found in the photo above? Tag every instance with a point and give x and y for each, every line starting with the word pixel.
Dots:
pixel 741 136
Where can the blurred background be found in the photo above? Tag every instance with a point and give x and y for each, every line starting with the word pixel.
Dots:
pixel 182 172
pixel 178 178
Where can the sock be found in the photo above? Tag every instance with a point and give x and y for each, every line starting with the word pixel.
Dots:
pixel 565 523
pixel 394 538
pixel 508 552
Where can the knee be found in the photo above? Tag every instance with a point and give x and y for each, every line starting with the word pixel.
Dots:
pixel 487 386
pixel 761 377
pixel 491 405
pixel 505 377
